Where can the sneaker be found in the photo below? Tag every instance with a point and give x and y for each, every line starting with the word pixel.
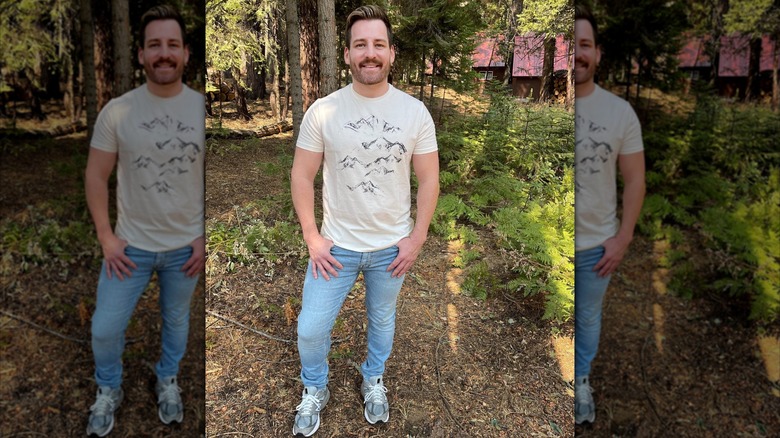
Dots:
pixel 313 401
pixel 101 416
pixel 169 405
pixel 374 398
pixel 584 406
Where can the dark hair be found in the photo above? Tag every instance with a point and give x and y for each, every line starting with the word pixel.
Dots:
pixel 161 12
pixel 369 12
pixel 582 12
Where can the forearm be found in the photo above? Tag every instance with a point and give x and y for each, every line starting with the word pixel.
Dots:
pixel 303 201
pixel 96 189
pixel 633 197
pixel 427 196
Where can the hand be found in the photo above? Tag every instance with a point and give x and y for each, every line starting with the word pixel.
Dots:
pixel 322 260
pixel 408 250
pixel 116 260
pixel 614 250
pixel 197 261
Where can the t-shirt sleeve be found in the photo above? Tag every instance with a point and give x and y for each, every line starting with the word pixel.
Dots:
pixel 426 138
pixel 632 136
pixel 104 133
pixel 310 133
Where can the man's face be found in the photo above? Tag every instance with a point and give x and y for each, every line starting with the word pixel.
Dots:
pixel 369 55
pixel 586 54
pixel 164 54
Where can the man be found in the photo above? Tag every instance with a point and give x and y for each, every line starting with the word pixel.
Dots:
pixel 154 134
pixel 608 135
pixel 367 136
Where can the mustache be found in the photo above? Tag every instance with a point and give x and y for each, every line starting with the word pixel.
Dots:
pixel 165 61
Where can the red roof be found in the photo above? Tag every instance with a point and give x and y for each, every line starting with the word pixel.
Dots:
pixel 487 54
pixel 734 55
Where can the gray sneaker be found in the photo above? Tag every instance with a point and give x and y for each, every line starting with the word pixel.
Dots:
pixel 584 406
pixel 169 405
pixel 101 416
pixel 374 398
pixel 313 401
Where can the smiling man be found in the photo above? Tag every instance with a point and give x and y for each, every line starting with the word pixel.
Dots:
pixel 154 135
pixel 367 136
pixel 607 137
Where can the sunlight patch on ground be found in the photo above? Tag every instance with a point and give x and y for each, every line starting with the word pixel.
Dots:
pixel 452 327
pixel 564 353
pixel 660 280
pixel 658 323
pixel 770 352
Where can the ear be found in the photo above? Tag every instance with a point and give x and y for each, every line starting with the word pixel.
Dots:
pixel 392 55
pixel 141 55
pixel 598 55
pixel 186 54
pixel 346 55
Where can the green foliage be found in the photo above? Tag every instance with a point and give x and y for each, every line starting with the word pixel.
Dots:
pixel 510 172
pixel 714 184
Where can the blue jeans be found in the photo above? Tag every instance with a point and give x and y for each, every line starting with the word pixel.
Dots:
pixel 117 299
pixel 322 301
pixel 589 290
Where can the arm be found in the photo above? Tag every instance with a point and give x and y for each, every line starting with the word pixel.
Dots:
pixel 100 164
pixel 304 169
pixel 426 167
pixel 632 167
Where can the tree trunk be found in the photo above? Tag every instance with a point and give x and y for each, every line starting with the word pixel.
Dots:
pixel 88 64
pixel 240 99
pixel 326 12
pixel 775 78
pixel 120 17
pixel 753 89
pixel 422 75
pixel 310 53
pixel 294 60
pixel 547 88
pixel 104 58
pixel 570 78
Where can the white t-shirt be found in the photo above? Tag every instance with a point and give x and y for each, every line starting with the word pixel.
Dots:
pixel 160 168
pixel 368 145
pixel 606 126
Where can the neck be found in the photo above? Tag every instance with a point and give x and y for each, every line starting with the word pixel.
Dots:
pixel 584 89
pixel 167 90
pixel 371 91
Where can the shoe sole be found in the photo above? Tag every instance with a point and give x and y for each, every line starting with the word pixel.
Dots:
pixel 91 432
pixel 588 419
pixel 378 420
pixel 178 419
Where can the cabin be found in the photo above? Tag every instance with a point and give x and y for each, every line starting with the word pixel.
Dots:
pixel 733 66
pixel 527 63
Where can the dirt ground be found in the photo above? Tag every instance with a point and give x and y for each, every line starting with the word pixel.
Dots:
pixel 46 382
pixel 669 366
pixel 460 366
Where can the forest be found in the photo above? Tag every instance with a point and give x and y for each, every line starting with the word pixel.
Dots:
pixel 484 342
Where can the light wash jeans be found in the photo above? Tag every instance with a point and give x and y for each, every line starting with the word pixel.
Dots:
pixel 589 290
pixel 117 299
pixel 322 301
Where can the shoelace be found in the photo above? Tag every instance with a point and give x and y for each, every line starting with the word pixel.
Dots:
pixel 375 394
pixel 103 405
pixel 309 404
pixel 583 391
pixel 169 394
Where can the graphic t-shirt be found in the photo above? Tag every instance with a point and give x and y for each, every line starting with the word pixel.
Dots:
pixel 367 146
pixel 606 126
pixel 160 180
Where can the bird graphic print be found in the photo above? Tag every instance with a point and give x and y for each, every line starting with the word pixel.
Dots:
pixel 377 154
pixel 173 153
